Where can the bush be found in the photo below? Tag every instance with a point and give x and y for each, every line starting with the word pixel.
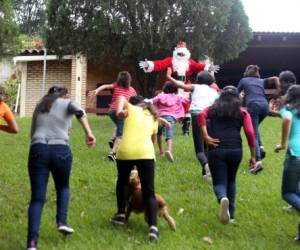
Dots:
pixel 11 90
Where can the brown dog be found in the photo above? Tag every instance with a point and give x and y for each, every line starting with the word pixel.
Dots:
pixel 135 202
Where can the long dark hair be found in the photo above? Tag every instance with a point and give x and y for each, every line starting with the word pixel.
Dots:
pixel 292 100
pixel 252 71
pixel 227 105
pixel 170 88
pixel 46 102
pixel 286 78
pixel 139 101
pixel 124 79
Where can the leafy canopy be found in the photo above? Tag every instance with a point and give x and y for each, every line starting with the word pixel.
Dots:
pixel 30 16
pixel 9 43
pixel 126 31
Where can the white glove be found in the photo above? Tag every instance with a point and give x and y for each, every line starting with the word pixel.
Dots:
pixel 213 68
pixel 144 64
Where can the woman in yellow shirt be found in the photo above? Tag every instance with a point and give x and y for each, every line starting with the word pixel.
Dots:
pixel 137 149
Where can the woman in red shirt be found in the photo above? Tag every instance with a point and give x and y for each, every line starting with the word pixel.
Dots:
pixel 120 88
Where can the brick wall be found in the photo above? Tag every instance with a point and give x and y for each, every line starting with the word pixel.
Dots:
pixel 57 73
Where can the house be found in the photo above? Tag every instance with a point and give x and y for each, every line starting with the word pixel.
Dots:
pixel 272 51
pixel 72 71
pixel 7 69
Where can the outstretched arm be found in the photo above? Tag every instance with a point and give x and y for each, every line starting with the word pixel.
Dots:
pixel 90 139
pixel 74 108
pixel 272 82
pixel 179 84
pixel 285 132
pixel 96 91
pixel 11 125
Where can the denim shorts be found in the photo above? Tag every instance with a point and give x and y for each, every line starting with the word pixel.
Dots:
pixel 118 122
pixel 169 131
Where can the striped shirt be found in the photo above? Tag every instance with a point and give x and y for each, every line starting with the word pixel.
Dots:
pixel 118 91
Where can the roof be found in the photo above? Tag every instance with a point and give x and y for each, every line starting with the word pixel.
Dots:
pixel 32 52
pixel 276 33
pixel 29 55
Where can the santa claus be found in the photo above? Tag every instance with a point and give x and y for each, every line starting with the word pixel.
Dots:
pixel 183 67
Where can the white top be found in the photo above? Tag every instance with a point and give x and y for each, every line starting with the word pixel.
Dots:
pixel 202 97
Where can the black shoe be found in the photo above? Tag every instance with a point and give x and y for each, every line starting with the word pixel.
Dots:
pixel 153 233
pixel 118 219
pixel 112 156
pixel 111 142
pixel 262 152
pixel 258 167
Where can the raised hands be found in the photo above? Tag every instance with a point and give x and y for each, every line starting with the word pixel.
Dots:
pixel 144 64
pixel 213 68
pixel 92 93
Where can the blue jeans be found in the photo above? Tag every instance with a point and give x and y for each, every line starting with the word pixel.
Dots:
pixel 43 159
pixel 118 122
pixel 223 164
pixel 169 131
pixel 258 112
pixel 290 181
pixel 198 143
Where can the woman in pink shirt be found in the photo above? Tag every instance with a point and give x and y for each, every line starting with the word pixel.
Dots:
pixel 171 109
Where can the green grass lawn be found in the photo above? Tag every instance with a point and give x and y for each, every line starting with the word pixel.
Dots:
pixel 260 221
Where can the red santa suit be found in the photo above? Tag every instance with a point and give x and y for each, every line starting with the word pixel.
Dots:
pixel 181 64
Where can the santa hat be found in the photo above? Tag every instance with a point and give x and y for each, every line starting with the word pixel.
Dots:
pixel 181 44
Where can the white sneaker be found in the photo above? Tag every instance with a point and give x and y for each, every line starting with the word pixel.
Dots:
pixel 224 216
pixel 65 229
pixel 232 221
pixel 169 156
pixel 207 170
pixel 288 208
pixel 207 178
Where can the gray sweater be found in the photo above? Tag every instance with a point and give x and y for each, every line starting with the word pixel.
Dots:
pixel 53 127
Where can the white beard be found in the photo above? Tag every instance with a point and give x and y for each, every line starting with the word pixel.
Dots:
pixel 181 64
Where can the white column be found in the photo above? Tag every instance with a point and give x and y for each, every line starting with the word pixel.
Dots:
pixel 78 81
pixel 23 89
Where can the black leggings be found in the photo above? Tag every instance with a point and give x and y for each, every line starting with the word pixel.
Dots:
pixel 198 143
pixel 146 173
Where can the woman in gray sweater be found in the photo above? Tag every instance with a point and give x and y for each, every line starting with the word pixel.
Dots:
pixel 50 153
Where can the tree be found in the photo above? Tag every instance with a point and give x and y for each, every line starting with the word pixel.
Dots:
pixel 125 31
pixel 30 15
pixel 9 43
